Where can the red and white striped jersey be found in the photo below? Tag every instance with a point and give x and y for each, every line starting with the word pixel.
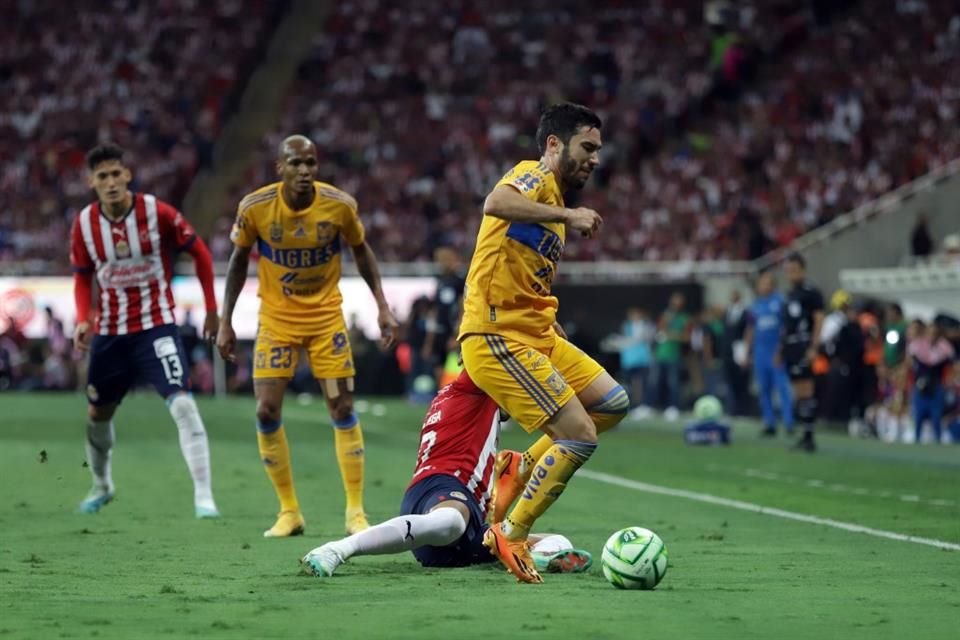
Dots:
pixel 459 438
pixel 133 261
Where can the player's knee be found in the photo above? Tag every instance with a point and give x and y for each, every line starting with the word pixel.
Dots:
pixel 610 409
pixel 450 524
pixel 100 413
pixel 182 406
pixel 341 409
pixel 268 412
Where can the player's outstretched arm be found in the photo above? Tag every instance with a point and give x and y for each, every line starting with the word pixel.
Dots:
pixel 506 203
pixel 367 266
pixel 236 278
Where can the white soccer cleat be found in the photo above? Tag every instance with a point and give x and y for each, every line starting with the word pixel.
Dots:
pixel 322 562
pixel 207 511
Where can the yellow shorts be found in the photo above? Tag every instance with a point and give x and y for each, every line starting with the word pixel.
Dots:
pixel 529 384
pixel 277 350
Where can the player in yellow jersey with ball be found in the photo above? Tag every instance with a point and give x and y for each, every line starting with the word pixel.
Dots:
pixel 299 226
pixel 509 337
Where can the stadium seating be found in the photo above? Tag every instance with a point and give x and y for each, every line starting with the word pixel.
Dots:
pixel 152 76
pixel 420 112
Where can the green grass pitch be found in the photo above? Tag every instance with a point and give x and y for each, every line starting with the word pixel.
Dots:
pixel 145 568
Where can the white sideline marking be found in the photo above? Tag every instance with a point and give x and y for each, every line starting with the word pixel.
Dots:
pixel 820 484
pixel 756 508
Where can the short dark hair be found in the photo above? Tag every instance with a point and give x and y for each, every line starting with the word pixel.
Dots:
pixel 103 153
pixel 797 258
pixel 564 121
pixel 897 309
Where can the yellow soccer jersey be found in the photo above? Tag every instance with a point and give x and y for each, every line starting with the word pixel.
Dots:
pixel 299 267
pixel 513 266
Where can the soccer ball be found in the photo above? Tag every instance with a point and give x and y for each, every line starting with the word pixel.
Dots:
pixel 634 558
pixel 707 408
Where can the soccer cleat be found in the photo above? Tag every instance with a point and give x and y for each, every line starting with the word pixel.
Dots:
pixel 768 432
pixel 513 554
pixel 566 561
pixel 356 521
pixel 95 500
pixel 207 512
pixel 322 561
pixel 289 523
pixel 805 443
pixel 507 483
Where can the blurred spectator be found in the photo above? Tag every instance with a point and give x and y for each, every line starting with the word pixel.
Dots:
pixel 673 335
pixel 932 355
pixel 636 358
pixel 921 244
pixel 842 341
pixel 711 335
pixel 734 356
pixel 951 250
pixel 56 337
pixel 446 301
pixel 420 325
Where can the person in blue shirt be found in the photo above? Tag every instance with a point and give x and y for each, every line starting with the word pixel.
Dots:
pixel 763 339
pixel 636 357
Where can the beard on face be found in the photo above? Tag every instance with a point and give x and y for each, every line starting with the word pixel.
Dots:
pixel 570 170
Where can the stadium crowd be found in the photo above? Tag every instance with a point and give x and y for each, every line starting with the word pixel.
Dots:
pixel 418 111
pixel 729 132
pixel 155 77
pixel 724 140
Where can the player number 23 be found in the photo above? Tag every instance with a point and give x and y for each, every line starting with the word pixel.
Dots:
pixel 280 357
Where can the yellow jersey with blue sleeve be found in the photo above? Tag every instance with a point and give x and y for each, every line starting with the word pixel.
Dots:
pixel 513 266
pixel 299 266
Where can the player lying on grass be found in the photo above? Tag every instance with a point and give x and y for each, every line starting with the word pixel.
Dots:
pixel 444 509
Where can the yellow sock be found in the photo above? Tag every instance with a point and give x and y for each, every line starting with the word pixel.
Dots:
pixel 349 442
pixel 275 454
pixel 534 453
pixel 547 482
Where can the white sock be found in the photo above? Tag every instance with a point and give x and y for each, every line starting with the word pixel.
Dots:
pixel 100 439
pixel 438 528
pixel 551 543
pixel 193 444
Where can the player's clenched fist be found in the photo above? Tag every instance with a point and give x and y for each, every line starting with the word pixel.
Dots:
pixel 586 221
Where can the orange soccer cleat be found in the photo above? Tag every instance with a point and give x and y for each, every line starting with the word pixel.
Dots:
pixel 513 554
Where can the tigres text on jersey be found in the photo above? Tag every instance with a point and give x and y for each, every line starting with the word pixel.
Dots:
pixel 299 268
